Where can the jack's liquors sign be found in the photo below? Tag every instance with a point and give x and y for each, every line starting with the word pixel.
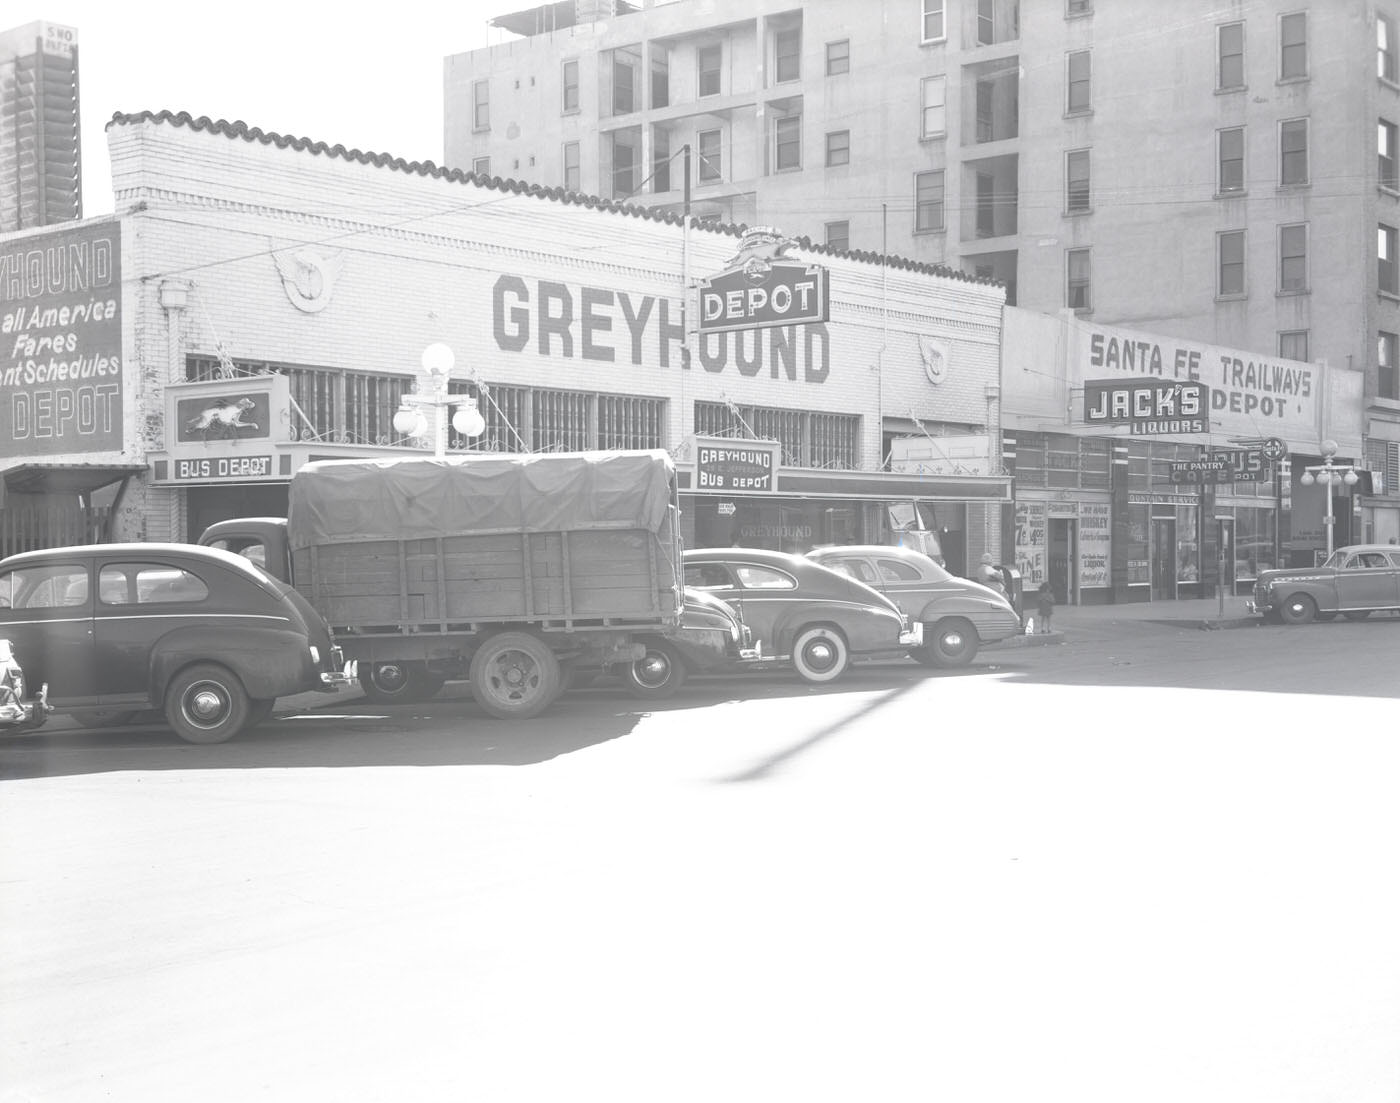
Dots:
pixel 1148 406
pixel 761 287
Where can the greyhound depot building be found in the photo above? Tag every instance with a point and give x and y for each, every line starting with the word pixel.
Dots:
pixel 259 301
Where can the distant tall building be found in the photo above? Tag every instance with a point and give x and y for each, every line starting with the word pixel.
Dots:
pixel 40 163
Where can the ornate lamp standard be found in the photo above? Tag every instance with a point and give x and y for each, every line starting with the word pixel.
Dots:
pixel 411 419
pixel 1328 473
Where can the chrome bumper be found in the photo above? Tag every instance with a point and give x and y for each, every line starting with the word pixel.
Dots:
pixel 340 676
pixel 912 636
pixel 15 713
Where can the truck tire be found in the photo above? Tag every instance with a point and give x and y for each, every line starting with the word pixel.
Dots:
pixel 515 676
pixel 820 654
pixel 206 703
pixel 656 675
pixel 398 683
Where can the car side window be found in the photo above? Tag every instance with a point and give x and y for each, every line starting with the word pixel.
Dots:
pixel 708 576
pixel 1394 558
pixel 255 551
pixel 148 584
pixel 764 578
pixel 1366 560
pixel 52 586
pixel 892 570
pixel 858 569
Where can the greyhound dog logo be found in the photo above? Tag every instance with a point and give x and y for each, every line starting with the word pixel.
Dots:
pixel 758 249
pixel 308 277
pixel 224 416
pixel 935 358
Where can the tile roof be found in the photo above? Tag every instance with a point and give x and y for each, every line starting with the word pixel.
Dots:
pixel 248 133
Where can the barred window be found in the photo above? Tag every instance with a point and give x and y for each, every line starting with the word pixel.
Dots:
pixel 808 438
pixel 529 419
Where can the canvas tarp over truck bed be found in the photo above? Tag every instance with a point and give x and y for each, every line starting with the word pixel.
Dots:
pixel 423 543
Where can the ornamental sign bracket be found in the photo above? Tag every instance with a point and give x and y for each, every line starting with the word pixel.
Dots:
pixel 762 287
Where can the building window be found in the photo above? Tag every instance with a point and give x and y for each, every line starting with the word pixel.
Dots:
pixel 1230 154
pixel 808 438
pixel 838 147
pixel 787 54
pixel 1077 181
pixel 481 166
pixel 787 143
pixel 1385 47
pixel 1385 155
pixel 711 154
pixel 1078 7
pixel 570 81
pixel 1293 257
pixel 838 235
pixel 1387 366
pixel 838 57
pixel 1077 99
pixel 986 23
pixel 1077 280
pixel 1293 46
pixel 1293 152
pixel 1385 254
pixel 708 60
pixel 660 159
pixel 1230 57
pixel 934 28
pixel 1293 344
pixel 626 79
pixel 626 162
pixel 572 180
pixel 481 105
pixel 928 202
pixel 933 93
pixel 1229 249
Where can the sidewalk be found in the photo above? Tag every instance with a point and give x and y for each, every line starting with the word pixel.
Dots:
pixel 1203 613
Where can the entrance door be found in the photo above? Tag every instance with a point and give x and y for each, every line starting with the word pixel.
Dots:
pixel 1062 540
pixel 1163 559
pixel 1226 535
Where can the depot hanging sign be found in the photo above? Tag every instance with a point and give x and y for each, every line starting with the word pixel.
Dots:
pixel 736 465
pixel 761 287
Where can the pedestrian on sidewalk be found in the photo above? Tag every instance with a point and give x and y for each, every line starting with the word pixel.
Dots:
pixel 1044 606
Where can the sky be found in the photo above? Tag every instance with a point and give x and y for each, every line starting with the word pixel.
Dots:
pixel 309 70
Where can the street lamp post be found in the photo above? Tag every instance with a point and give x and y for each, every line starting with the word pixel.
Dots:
pixel 411 420
pixel 1328 473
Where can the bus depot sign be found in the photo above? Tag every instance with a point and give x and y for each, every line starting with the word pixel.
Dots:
pixel 762 288
pixel 736 465
pixel 1148 406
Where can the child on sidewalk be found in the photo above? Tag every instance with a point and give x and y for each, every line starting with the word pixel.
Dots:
pixel 1044 606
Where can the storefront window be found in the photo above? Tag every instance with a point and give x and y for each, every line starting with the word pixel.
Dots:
pixel 1135 550
pixel 790 525
pixel 808 438
pixel 1188 550
pixel 1254 542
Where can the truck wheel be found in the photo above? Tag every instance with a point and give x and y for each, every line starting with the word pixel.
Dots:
pixel 206 703
pixel 399 683
pixel 656 675
pixel 515 676
pixel 1298 609
pixel 954 642
pixel 820 654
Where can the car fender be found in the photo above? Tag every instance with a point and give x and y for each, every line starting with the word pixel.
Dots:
pixel 866 628
pixel 271 661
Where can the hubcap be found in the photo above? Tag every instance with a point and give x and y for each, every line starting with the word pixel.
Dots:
pixel 390 677
pixel 206 705
pixel 952 641
pixel 821 654
pixel 653 670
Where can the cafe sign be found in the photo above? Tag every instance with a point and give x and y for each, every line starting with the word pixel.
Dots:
pixel 762 287
pixel 736 465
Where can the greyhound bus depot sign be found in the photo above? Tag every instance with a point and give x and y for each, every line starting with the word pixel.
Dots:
pixel 735 466
pixel 1249 395
pixel 762 287
pixel 61 342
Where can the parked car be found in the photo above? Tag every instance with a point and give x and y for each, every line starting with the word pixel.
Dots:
pixel 799 611
pixel 17 711
pixel 1355 581
pixel 710 636
pixel 205 636
pixel 957 615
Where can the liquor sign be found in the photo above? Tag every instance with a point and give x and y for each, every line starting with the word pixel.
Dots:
pixel 762 288
pixel 734 465
pixel 1149 407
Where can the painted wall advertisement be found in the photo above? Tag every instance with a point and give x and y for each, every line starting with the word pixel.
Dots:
pixel 1094 532
pixel 61 342
pixel 1030 543
pixel 1250 395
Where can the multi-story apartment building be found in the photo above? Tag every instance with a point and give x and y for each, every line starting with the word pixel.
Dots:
pixel 1224 173
pixel 40 181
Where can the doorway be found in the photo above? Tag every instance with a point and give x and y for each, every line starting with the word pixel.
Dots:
pixel 1164 559
pixel 1063 537
pixel 1225 549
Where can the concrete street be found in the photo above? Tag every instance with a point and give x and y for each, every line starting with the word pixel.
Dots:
pixel 1145 860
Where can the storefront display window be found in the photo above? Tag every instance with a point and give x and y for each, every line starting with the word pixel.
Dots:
pixel 1135 550
pixel 1254 542
pixel 1188 550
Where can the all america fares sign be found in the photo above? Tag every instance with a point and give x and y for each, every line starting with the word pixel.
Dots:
pixel 61 341
pixel 1241 392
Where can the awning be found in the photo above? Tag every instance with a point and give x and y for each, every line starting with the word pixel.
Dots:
pixel 67 478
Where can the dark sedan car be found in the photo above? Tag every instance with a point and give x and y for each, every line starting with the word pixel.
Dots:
pixel 799 611
pixel 1355 581
pixel 203 635
pixel 957 615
